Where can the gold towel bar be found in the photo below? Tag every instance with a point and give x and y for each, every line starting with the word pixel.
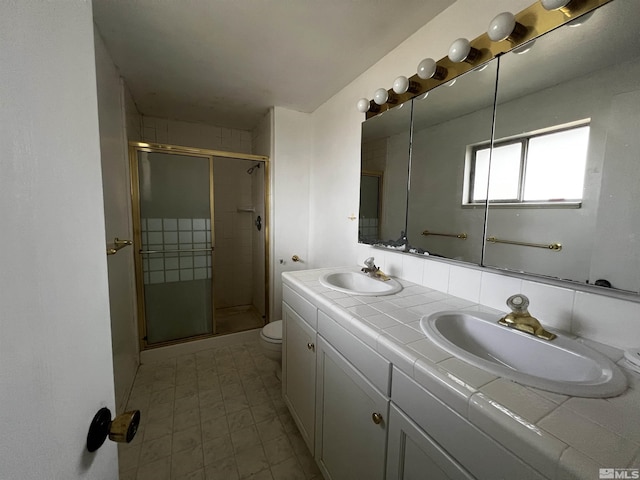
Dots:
pixel 461 236
pixel 117 245
pixel 556 247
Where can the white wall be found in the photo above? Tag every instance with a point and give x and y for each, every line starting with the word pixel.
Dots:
pixel 290 198
pixel 55 341
pixel 118 223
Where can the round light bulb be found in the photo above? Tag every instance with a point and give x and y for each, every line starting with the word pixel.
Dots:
pixel 459 50
pixel 401 85
pixel 381 96
pixel 363 105
pixel 426 68
pixel 554 4
pixel 501 26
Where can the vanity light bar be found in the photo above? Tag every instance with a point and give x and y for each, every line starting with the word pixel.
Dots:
pixel 530 23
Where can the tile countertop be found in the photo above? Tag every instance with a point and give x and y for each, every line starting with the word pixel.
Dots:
pixel 562 437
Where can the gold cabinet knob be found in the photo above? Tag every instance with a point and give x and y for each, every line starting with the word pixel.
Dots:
pixel 295 258
pixel 311 346
pixel 376 417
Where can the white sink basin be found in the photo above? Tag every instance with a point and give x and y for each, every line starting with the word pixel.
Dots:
pixel 358 283
pixel 562 365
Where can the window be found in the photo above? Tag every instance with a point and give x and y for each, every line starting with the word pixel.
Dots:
pixel 546 167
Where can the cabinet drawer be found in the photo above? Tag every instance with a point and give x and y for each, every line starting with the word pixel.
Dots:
pixel 478 453
pixel 302 307
pixel 372 365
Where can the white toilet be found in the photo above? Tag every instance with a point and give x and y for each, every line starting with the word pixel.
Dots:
pixel 271 343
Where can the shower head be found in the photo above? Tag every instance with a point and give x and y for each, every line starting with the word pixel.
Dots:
pixel 250 171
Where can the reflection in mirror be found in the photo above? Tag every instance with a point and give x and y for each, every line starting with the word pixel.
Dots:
pixel 384 176
pixel 445 122
pixel 565 168
pixel 370 205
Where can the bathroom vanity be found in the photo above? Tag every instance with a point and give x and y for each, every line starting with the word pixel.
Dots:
pixel 374 398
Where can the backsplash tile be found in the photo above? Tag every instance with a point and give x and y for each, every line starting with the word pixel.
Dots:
pixel 604 319
pixel 496 289
pixel 551 305
pixel 607 320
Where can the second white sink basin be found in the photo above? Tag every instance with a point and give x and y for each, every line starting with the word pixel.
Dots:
pixel 358 283
pixel 562 365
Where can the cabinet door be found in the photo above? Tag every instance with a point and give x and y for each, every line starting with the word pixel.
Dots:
pixel 413 455
pixel 299 372
pixel 352 420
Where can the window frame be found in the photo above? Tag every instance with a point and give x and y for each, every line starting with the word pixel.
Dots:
pixel 523 140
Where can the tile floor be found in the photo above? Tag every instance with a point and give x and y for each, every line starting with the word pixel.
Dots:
pixel 215 414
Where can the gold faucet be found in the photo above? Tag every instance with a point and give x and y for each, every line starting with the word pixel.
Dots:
pixel 373 271
pixel 521 319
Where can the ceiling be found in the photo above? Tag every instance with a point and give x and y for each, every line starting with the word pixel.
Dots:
pixel 225 62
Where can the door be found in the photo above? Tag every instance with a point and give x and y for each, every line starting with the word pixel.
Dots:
pixel 351 436
pixel 55 337
pixel 413 455
pixel 173 210
pixel 299 372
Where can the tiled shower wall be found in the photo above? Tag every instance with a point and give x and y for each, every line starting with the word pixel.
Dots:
pixel 163 234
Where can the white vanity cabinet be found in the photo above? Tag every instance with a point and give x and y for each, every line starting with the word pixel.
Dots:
pixel 351 420
pixel 299 362
pixel 413 455
pixel 451 445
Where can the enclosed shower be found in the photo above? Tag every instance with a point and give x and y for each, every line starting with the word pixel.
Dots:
pixel 200 242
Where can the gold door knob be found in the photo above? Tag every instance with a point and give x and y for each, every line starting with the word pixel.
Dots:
pixel 376 417
pixel 311 346
pixel 295 258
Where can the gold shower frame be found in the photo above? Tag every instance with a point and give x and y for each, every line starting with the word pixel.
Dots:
pixel 134 148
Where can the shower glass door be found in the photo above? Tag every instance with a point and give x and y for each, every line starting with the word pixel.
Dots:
pixel 174 196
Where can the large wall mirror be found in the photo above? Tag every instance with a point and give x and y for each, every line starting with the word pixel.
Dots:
pixel 565 165
pixel 562 176
pixel 384 176
pixel 445 122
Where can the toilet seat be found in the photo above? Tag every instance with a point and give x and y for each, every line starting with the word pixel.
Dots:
pixel 272 332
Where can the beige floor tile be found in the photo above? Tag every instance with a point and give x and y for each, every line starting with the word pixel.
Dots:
pixel 197 475
pixel 158 470
pixel 156 428
pixel 187 389
pixel 217 449
pixel 234 404
pixel 245 438
pixel 251 461
pixel 214 428
pixel 263 412
pixel 186 462
pixel 185 420
pixel 240 419
pixel 213 411
pixel 288 470
pixel 278 450
pixel 187 439
pixel 223 469
pixel 153 450
pixel 189 402
pixel 270 429
pixel 128 456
